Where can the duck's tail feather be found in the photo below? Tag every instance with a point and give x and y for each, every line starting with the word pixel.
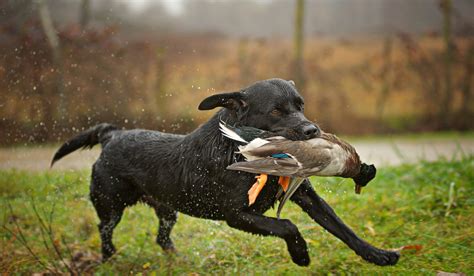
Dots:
pixel 294 185
pixel 229 133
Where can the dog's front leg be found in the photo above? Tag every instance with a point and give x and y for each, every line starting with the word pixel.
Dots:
pixel 266 226
pixel 324 215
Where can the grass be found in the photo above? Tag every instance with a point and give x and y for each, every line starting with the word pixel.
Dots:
pixel 431 204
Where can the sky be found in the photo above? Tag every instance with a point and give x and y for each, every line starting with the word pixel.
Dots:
pixel 322 17
pixel 174 7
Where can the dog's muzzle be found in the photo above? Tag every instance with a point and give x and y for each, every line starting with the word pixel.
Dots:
pixel 311 131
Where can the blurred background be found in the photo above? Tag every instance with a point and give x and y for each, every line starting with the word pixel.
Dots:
pixel 363 67
pixel 393 77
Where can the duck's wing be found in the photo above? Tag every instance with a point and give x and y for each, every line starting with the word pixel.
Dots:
pixel 269 165
pixel 274 145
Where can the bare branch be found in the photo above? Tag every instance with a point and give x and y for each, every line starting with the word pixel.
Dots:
pixel 21 237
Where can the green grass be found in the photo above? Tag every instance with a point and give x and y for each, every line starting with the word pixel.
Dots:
pixel 403 205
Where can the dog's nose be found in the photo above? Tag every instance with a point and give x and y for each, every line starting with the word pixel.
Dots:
pixel 311 131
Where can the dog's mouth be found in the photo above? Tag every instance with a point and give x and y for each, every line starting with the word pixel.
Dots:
pixel 299 134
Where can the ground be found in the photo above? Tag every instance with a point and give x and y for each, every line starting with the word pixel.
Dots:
pixel 381 151
pixel 424 203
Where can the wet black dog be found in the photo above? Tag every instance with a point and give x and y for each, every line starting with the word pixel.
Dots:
pixel 186 173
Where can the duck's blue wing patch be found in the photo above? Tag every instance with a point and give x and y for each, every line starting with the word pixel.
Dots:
pixel 280 155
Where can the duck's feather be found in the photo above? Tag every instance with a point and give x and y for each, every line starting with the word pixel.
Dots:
pixel 281 155
pixel 227 132
pixel 269 165
pixel 312 158
pixel 321 142
pixel 247 150
pixel 265 149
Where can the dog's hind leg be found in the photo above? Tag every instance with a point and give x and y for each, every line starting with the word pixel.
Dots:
pixel 324 215
pixel 110 197
pixel 108 222
pixel 266 226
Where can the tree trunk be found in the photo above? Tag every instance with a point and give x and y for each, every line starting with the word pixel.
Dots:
pixel 466 84
pixel 386 78
pixel 298 44
pixel 448 57
pixel 84 15
pixel 160 85
pixel 53 41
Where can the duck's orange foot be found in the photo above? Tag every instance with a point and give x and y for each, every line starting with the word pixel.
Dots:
pixel 256 188
pixel 284 181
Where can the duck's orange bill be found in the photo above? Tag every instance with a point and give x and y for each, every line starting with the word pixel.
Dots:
pixel 284 181
pixel 256 188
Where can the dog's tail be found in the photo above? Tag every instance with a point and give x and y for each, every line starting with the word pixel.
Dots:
pixel 85 139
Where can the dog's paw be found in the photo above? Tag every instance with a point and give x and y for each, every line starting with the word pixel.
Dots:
pixel 299 252
pixel 107 252
pixel 171 251
pixel 301 261
pixel 166 244
pixel 380 257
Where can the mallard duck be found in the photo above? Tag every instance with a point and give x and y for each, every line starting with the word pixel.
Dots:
pixel 294 161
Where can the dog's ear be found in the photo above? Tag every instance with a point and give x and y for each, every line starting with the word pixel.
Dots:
pixel 233 101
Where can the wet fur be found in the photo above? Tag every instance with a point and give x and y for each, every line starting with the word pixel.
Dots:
pixel 186 173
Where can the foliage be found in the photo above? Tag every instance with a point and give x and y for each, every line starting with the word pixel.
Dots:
pixel 356 86
pixel 430 204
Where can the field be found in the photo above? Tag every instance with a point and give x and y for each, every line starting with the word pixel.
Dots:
pixel 428 204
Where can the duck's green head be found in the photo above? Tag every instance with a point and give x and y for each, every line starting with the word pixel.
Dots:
pixel 367 173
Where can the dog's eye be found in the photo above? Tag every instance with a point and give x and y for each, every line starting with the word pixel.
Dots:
pixel 276 112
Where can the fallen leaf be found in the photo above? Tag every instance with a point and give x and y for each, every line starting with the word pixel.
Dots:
pixel 442 273
pixel 370 227
pixel 412 247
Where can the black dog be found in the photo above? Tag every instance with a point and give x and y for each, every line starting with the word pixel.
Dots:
pixel 186 173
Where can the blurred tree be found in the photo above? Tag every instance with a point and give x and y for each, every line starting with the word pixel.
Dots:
pixel 426 68
pixel 298 44
pixel 445 109
pixel 386 78
pixel 466 88
pixel 84 15
pixel 160 84
pixel 244 60
pixel 53 42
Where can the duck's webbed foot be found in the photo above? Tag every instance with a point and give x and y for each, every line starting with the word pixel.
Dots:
pixel 284 181
pixel 257 187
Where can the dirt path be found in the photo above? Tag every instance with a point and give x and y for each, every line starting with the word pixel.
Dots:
pixel 379 152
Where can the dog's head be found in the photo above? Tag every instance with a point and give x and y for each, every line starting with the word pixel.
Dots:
pixel 273 105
